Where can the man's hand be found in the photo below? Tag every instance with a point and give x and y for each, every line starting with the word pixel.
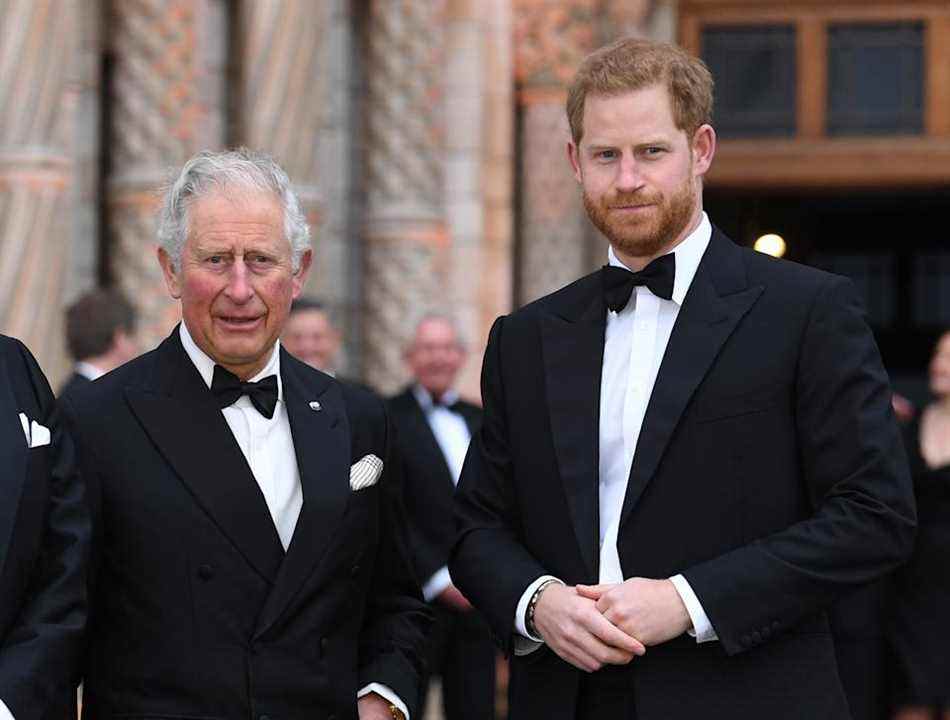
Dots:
pixel 649 610
pixel 572 627
pixel 373 707
pixel 451 597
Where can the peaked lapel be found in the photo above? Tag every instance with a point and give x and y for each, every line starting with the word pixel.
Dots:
pixel 322 445
pixel 572 338
pixel 179 414
pixel 423 431
pixel 718 298
pixel 13 450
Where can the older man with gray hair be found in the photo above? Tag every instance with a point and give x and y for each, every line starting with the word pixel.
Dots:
pixel 248 558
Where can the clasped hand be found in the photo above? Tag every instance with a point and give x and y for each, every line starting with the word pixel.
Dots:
pixel 591 626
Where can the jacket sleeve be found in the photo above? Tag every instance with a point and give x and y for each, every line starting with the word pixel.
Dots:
pixel 39 656
pixel 392 639
pixel 489 563
pixel 854 472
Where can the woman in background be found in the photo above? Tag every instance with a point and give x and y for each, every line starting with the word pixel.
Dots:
pixel 922 611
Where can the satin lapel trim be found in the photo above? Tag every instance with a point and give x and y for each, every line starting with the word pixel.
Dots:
pixel 192 435
pixel 322 445
pixel 705 322
pixel 424 431
pixel 573 359
pixel 12 457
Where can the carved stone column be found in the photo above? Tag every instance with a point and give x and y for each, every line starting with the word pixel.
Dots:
pixel 293 102
pixel 37 111
pixel 165 104
pixel 405 231
pixel 557 244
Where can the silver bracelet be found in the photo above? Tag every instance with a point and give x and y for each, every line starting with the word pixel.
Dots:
pixel 532 606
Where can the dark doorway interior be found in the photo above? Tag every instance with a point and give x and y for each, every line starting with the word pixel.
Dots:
pixel 894 246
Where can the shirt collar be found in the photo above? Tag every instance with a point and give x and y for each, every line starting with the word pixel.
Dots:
pixel 205 365
pixel 688 254
pixel 88 370
pixel 424 398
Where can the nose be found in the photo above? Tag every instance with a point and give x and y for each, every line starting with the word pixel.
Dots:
pixel 629 178
pixel 239 289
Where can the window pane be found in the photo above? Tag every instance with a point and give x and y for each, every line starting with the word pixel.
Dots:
pixel 754 69
pixel 874 277
pixel 932 289
pixel 876 79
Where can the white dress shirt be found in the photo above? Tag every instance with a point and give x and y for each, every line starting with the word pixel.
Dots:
pixel 634 346
pixel 88 370
pixel 453 437
pixel 268 446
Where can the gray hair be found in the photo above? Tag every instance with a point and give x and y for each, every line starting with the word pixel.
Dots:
pixel 442 317
pixel 208 172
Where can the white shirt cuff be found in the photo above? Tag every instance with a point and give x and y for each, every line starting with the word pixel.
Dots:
pixel 5 713
pixel 702 629
pixel 384 692
pixel 520 626
pixel 436 584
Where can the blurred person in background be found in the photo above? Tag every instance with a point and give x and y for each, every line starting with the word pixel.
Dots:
pixel 921 635
pixel 434 427
pixel 100 336
pixel 44 542
pixel 310 335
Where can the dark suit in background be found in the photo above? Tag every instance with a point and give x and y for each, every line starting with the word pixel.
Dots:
pixel 73 383
pixel 460 647
pixel 198 612
pixel 921 638
pixel 44 535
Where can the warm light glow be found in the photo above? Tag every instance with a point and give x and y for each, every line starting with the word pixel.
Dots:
pixel 771 244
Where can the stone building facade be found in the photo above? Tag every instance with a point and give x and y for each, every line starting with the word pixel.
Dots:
pixel 425 137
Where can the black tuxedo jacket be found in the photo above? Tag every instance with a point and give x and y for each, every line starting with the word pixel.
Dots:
pixel 428 481
pixel 44 536
pixel 197 611
pixel 73 383
pixel 769 472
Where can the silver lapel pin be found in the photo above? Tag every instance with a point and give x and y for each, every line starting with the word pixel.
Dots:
pixel 315 406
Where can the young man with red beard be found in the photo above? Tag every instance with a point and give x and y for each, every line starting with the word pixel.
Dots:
pixel 686 456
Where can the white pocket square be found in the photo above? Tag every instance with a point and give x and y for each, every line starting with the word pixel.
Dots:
pixel 365 472
pixel 36 435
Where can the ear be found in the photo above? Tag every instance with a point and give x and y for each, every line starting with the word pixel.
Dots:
pixel 300 277
pixel 574 156
pixel 703 149
pixel 170 273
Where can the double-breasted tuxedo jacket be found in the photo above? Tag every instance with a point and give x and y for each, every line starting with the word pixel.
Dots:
pixel 197 610
pixel 768 471
pixel 429 483
pixel 44 535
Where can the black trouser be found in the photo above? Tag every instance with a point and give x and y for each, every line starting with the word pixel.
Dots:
pixel 607 694
pixel 461 652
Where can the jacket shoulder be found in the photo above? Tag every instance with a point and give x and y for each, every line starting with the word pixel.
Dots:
pixel 575 295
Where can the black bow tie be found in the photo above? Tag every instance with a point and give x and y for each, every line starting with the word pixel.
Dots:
pixel 619 282
pixel 227 388
pixel 440 402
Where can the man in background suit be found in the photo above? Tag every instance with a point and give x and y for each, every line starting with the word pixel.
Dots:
pixel 44 537
pixel 100 335
pixel 248 554
pixel 686 456
pixel 311 336
pixel 434 429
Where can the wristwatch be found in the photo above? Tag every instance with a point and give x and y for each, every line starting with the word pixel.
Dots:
pixel 396 712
